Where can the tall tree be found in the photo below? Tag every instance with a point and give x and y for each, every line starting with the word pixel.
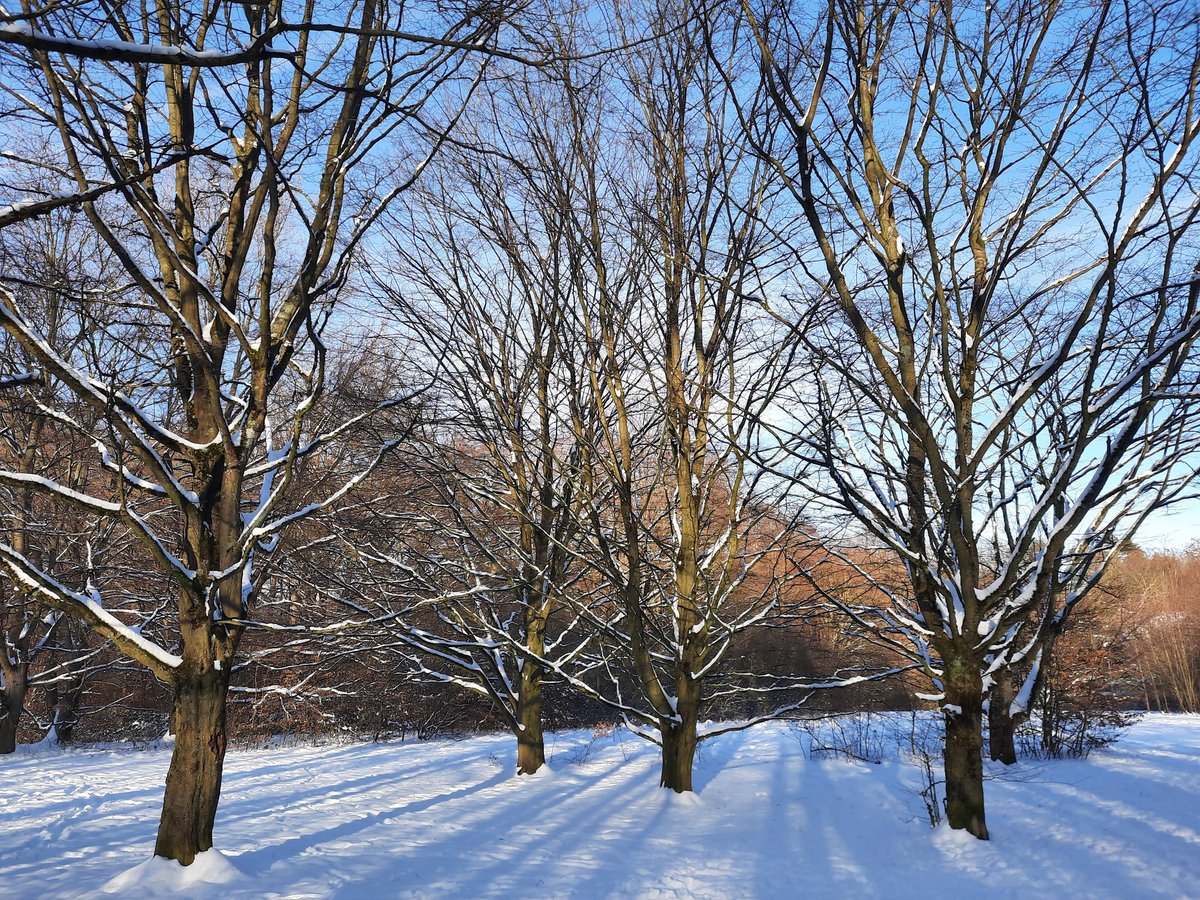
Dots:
pixel 245 156
pixel 682 362
pixel 479 279
pixel 1000 304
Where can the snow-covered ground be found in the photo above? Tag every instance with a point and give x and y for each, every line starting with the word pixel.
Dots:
pixel 448 819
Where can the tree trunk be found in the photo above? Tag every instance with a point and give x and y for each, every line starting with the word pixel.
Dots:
pixel 8 731
pixel 1050 739
pixel 65 696
pixel 1002 727
pixel 963 757
pixel 65 702
pixel 194 777
pixel 678 754
pixel 531 752
pixel 679 740
pixel 12 705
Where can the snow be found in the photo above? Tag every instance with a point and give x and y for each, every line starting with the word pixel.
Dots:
pixel 54 590
pixel 449 819
pixel 141 52
pixel 165 876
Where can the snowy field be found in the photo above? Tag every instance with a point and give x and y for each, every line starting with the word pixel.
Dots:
pixel 447 819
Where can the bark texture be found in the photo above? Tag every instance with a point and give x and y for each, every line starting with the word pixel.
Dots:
pixel 194 777
pixel 12 705
pixel 1002 727
pixel 679 740
pixel 531 751
pixel 964 749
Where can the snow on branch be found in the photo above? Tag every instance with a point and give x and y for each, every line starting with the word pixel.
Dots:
pixel 24 35
pixel 56 594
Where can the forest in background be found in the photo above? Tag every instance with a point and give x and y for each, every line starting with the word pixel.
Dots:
pixel 1134 646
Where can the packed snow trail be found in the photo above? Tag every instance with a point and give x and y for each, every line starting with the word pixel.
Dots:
pixel 448 819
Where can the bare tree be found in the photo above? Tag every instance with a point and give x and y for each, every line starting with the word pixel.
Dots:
pixel 39 645
pixel 244 196
pixel 588 299
pixel 693 540
pixel 999 305
pixel 480 281
pixel 1160 587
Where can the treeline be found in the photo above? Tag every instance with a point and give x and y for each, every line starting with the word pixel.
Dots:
pixel 447 365
pixel 1133 646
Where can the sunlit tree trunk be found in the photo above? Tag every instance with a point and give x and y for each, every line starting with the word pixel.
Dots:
pixel 194 777
pixel 679 740
pixel 531 751
pixel 963 760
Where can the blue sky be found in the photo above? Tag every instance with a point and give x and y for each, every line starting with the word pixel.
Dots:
pixel 1171 530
